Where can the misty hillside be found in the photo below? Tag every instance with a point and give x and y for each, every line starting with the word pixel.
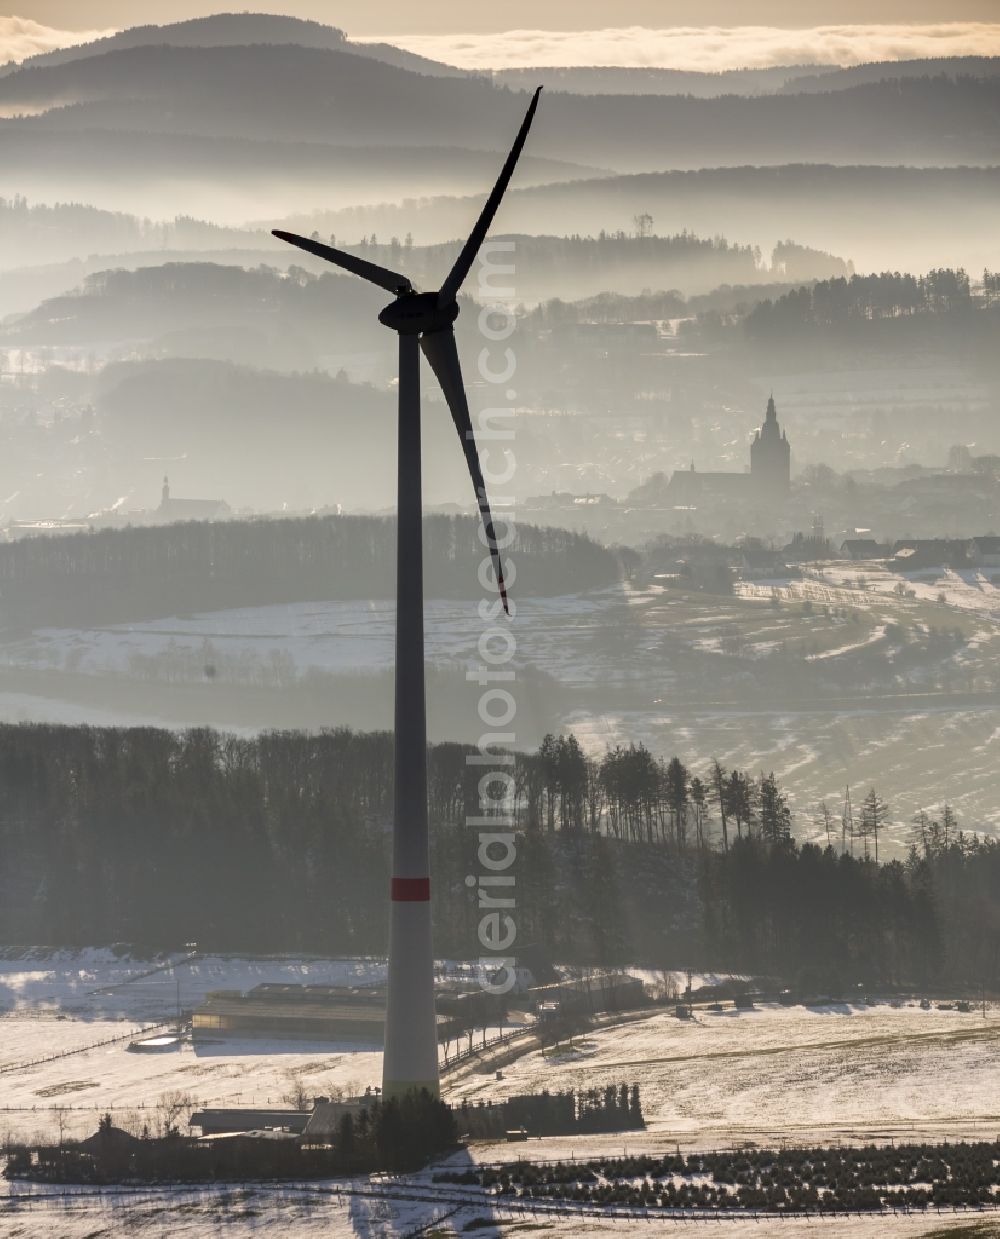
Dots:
pixel 43 233
pixel 878 216
pixel 622 80
pixel 239 29
pixel 786 79
pixel 577 266
pixel 877 317
pixel 194 308
pixel 121 574
pixel 173 305
pixel 303 441
pixel 314 94
pixel 231 179
pixel 826 79
pixel 23 289
pixel 256 438
pixel 265 440
pixel 335 96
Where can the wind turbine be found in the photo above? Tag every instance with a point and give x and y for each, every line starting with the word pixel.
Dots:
pixel 423 321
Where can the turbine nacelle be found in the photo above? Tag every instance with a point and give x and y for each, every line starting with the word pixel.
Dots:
pixel 412 313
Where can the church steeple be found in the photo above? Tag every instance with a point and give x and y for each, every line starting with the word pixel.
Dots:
pixel 770 455
pixel 165 493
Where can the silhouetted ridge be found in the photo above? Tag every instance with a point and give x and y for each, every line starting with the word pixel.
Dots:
pixel 339 95
pixel 213 565
pixel 239 29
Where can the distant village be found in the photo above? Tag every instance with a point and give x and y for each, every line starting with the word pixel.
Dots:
pixel 912 515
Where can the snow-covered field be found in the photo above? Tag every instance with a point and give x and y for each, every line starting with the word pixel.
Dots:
pixel 408 1206
pixel 777 1073
pixel 336 637
pixel 783 1074
pixel 774 1073
pixel 66 1019
pixel 615 653
pixel 917 760
pixel 966 589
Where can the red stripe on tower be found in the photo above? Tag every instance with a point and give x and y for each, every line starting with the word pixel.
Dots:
pixel 411 890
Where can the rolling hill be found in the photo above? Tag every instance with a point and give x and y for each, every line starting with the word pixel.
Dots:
pixel 162 174
pixel 881 217
pixel 240 29
pixel 340 97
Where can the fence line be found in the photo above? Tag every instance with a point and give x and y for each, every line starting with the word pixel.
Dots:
pixel 475 1051
pixel 143 1031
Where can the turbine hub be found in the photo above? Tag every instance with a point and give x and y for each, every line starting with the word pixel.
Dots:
pixel 412 314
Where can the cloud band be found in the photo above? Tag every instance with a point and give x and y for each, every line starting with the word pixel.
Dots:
pixel 21 37
pixel 708 48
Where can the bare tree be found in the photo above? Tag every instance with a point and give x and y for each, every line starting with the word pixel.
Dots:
pixel 297 1096
pixel 874 815
pixel 169 1109
pixel 643 224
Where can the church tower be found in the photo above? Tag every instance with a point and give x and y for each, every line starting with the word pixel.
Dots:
pixel 165 495
pixel 771 457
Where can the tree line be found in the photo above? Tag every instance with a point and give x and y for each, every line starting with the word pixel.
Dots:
pixel 832 1180
pixel 38 232
pixel 211 565
pixel 396 1135
pixel 889 294
pixel 280 842
pixel 889 311
pixel 615 1107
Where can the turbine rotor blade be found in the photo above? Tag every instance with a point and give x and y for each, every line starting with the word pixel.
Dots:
pixel 391 281
pixel 442 353
pixel 456 277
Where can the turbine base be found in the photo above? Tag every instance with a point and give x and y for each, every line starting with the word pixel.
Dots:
pixel 400 1088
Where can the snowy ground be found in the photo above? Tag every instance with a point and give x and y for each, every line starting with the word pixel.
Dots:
pixel 965 589
pixel 916 759
pixel 406 1207
pixel 336 637
pixel 615 655
pixel 66 1019
pixel 67 1010
pixel 792 1074
pixel 783 1074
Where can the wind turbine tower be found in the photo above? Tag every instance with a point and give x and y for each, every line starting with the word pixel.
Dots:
pixel 423 322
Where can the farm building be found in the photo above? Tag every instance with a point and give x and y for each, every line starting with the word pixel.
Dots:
pixel 325 1120
pixel 313 1012
pixel 227 1122
pixel 342 1014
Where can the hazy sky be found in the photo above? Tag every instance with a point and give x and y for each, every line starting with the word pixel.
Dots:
pixel 383 17
pixel 710 35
